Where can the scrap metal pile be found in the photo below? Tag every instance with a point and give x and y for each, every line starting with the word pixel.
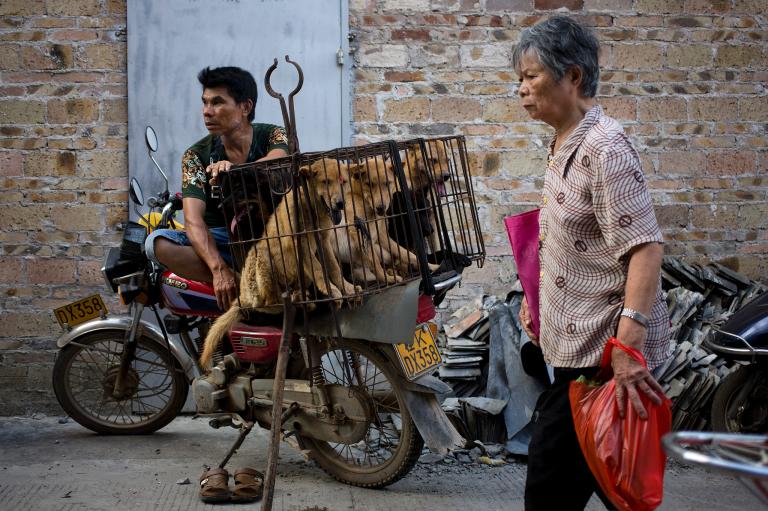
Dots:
pixel 698 296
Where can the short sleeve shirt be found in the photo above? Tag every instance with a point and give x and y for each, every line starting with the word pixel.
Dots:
pixel 194 180
pixel 595 208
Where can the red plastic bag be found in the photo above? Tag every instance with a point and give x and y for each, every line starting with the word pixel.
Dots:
pixel 625 455
pixel 523 232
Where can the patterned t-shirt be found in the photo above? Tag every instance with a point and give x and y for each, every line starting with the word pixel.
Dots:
pixel 194 180
pixel 595 208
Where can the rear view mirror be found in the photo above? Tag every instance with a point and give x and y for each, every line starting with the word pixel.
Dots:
pixel 134 190
pixel 150 137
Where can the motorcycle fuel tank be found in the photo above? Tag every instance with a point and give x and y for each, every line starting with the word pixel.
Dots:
pixel 258 344
pixel 749 323
pixel 188 297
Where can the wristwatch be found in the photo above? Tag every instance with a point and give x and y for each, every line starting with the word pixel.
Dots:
pixel 633 314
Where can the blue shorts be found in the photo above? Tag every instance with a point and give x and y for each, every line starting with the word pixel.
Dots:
pixel 220 236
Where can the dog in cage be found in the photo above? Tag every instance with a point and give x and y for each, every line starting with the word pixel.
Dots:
pixel 372 183
pixel 421 174
pixel 272 264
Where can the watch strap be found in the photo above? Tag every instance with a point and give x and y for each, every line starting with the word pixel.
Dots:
pixel 635 315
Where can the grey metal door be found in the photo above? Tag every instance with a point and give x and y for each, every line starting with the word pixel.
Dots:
pixel 170 41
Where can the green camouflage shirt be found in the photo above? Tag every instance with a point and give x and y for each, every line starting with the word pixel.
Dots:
pixel 194 180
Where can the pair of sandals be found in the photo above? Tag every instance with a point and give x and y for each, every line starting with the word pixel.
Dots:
pixel 214 485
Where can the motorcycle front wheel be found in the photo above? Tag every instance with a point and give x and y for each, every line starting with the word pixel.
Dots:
pixel 84 378
pixel 737 409
pixel 392 444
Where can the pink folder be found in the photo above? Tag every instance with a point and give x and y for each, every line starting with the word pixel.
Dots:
pixel 523 231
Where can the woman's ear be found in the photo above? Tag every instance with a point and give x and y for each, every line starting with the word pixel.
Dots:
pixel 576 76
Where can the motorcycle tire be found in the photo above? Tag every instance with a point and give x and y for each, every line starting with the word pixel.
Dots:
pixel 404 442
pixel 724 405
pixel 84 375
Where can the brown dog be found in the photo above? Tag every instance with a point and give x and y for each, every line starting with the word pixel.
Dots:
pixel 420 174
pixel 366 201
pixel 272 265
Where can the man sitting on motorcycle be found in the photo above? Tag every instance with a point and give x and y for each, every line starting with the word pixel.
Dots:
pixel 201 252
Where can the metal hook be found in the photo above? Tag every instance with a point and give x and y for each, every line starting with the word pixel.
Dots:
pixel 289 114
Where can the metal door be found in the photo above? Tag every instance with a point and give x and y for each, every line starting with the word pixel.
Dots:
pixel 169 42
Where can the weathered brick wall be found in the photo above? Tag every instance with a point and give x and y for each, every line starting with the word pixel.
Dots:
pixel 63 174
pixel 685 78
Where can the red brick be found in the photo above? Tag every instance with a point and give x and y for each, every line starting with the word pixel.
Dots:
pixel 550 5
pixel 729 163
pixel 11 163
pixel 51 271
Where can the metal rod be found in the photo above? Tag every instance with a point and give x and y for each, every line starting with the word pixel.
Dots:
pixel 244 430
pixel 278 386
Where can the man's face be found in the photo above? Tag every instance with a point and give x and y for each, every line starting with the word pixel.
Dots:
pixel 222 115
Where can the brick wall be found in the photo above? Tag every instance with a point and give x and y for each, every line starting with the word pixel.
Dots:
pixel 686 78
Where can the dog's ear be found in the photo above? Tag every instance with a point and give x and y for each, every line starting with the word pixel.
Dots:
pixel 356 170
pixel 308 170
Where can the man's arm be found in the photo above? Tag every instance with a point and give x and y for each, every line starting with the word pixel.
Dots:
pixel 204 245
pixel 639 294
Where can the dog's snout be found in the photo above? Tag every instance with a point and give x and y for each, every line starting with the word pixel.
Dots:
pixel 380 210
pixel 340 204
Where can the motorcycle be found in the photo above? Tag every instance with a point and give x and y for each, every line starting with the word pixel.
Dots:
pixel 363 410
pixel 740 403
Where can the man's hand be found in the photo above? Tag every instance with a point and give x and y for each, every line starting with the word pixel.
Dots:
pixel 527 322
pixel 214 169
pixel 631 379
pixel 224 286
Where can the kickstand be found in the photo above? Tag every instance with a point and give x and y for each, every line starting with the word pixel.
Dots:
pixel 245 428
pixel 277 402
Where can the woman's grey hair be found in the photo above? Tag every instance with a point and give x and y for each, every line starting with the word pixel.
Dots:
pixel 561 43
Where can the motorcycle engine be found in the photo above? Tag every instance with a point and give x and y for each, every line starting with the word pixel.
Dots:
pixel 226 387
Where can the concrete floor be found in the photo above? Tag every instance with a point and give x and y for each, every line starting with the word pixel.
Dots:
pixel 45 465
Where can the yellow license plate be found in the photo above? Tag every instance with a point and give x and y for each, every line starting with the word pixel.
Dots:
pixel 80 311
pixel 422 355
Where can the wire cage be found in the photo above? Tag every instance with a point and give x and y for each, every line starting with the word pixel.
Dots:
pixel 336 226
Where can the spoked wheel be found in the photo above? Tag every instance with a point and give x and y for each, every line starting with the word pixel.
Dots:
pixel 84 376
pixel 391 445
pixel 738 409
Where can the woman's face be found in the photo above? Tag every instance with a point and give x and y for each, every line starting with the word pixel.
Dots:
pixel 541 95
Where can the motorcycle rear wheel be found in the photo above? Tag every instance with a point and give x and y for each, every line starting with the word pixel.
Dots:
pixel 734 415
pixel 84 375
pixel 392 445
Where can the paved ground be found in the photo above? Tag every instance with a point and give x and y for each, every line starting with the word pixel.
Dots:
pixel 45 465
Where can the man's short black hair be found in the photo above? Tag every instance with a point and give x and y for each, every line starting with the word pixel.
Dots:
pixel 239 83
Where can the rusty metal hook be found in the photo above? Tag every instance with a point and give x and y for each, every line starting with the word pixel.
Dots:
pixel 289 113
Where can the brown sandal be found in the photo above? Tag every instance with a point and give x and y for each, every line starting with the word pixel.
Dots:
pixel 214 486
pixel 248 485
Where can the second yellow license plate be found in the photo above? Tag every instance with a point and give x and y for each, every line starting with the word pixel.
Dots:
pixel 422 355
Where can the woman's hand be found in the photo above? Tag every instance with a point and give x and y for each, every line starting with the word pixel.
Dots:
pixel 527 322
pixel 214 169
pixel 631 379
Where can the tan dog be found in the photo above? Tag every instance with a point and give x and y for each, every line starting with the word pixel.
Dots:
pixel 272 265
pixel 366 201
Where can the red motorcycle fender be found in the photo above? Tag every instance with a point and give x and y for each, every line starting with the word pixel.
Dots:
pixel 123 324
